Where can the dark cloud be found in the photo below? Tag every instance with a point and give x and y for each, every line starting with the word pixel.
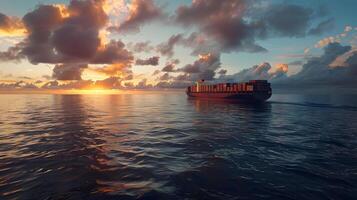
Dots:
pixel 167 48
pixel 113 52
pixel 222 21
pixel 165 77
pixel 68 72
pixel 77 37
pixel 154 61
pixel 222 72
pixel 235 25
pixel 323 27
pixel 288 19
pixel 70 40
pixel 170 66
pixel 141 47
pixel 141 12
pixel 200 44
pixel 40 24
pixel 10 24
pixel 263 71
pixel 12 53
pixel 296 62
pixel 317 70
pixel 203 68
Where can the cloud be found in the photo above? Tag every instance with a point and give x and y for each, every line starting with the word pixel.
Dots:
pixel 141 47
pixel 165 77
pixel 170 66
pixel 47 77
pixel 322 27
pixel 80 84
pixel 318 71
pixel 17 85
pixel 11 26
pixel 143 84
pixel 288 19
pixel 203 68
pixel 51 85
pixel 156 72
pixel 109 83
pixel 235 25
pixel 12 54
pixel 68 36
pixel 326 41
pixel 348 28
pixel 166 48
pixel 140 12
pixel 342 60
pixel 222 21
pixel 68 72
pixel 114 70
pixel 334 39
pixel 154 61
pixel 263 71
pixel 172 84
pixel 336 66
pixel 222 72
pixel 113 52
pixel 296 62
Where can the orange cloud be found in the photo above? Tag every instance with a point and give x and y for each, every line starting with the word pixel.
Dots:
pixel 11 26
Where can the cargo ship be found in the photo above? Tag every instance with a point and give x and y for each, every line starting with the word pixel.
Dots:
pixel 252 91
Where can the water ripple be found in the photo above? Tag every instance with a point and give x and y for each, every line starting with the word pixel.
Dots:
pixel 159 146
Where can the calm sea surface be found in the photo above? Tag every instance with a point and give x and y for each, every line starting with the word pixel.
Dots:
pixel 165 146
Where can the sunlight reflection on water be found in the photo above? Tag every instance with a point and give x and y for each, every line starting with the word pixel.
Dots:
pixel 165 146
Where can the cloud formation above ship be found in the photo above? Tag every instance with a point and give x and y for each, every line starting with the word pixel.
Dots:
pixel 336 66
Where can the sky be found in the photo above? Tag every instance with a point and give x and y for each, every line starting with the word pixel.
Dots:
pixel 126 44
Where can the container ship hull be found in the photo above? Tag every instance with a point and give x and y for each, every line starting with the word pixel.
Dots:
pixel 252 91
pixel 243 97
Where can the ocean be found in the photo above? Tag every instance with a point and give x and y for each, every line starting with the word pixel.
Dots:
pixel 162 145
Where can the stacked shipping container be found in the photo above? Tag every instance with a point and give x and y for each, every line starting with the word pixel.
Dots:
pixel 254 85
